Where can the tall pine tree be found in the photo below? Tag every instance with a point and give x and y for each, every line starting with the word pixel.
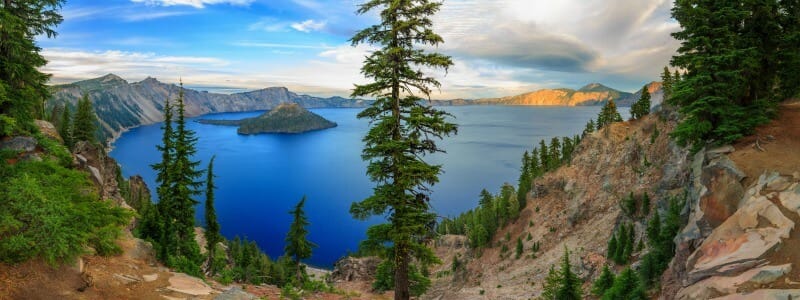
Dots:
pixel 83 127
pixel 23 88
pixel 641 107
pixel 213 237
pixel 403 129
pixel 608 114
pixel 65 127
pixel 297 245
pixel 185 184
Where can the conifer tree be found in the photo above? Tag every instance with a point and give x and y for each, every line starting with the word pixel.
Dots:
pixel 788 58
pixel 544 156
pixel 551 284
pixel 65 127
pixel 612 247
pixel 297 245
pixel 185 183
pixel 485 199
pixel 554 157
pixel 535 165
pixel 403 129
pixel 626 286
pixel 524 182
pixel 666 83
pixel 590 126
pixel 603 282
pixel 570 284
pixel 641 107
pixel 83 127
pixel 160 221
pixel 23 88
pixel 608 114
pixel 519 247
pixel 212 234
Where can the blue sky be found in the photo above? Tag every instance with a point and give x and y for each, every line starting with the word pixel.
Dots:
pixel 500 47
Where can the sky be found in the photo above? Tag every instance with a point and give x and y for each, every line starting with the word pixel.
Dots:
pixel 499 47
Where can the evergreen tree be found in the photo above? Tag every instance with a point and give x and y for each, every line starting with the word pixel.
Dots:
pixel 524 182
pixel 23 88
pixel 788 57
pixel 590 126
pixel 519 247
pixel 185 184
pixel 570 284
pixel 297 245
pixel 666 83
pixel 551 284
pixel 544 155
pixel 612 247
pixel 626 286
pixel 641 107
pixel 160 221
pixel 401 131
pixel 553 160
pixel 645 204
pixel 603 282
pixel 608 114
pixel 65 127
pixel 485 199
pixel 56 113
pixel 83 127
pixel 535 165
pixel 675 79
pixel 213 237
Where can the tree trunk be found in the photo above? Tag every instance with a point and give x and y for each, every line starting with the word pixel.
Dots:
pixel 401 284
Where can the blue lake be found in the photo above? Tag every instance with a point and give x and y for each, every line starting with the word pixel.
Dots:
pixel 260 178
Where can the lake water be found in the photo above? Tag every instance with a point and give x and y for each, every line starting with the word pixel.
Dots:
pixel 261 177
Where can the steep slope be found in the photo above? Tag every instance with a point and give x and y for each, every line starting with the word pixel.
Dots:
pixel 591 94
pixel 285 118
pixel 577 207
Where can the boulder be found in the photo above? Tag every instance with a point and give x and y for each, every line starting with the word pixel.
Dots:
pixel 48 130
pixel 726 285
pixel 235 293
pixel 741 241
pixel 355 269
pixel 725 192
pixel 188 285
pixel 19 144
pixel 719 151
pixel 764 294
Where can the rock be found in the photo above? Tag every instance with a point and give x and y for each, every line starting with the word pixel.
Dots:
pixel 48 130
pixel 31 156
pixel 200 238
pixel 791 198
pixel 19 144
pixel 126 279
pixel 79 265
pixel 355 269
pixel 719 151
pixel 188 285
pixel 765 294
pixel 741 241
pixel 150 277
pixel 139 193
pixel 96 176
pixel 722 285
pixel 725 192
pixel 235 293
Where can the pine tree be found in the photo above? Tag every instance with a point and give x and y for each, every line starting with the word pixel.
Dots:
pixel 519 247
pixel 608 114
pixel 535 164
pixel 213 237
pixel 23 88
pixel 666 84
pixel 401 132
pixel 603 282
pixel 524 181
pixel 297 245
pixel 160 219
pixel 590 126
pixel 185 184
pixel 788 58
pixel 544 155
pixel 612 247
pixel 551 284
pixel 626 286
pixel 485 199
pixel 641 107
pixel 645 204
pixel 83 127
pixel 65 127
pixel 569 285
pixel 553 160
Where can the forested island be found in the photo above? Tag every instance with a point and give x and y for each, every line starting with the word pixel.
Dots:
pixel 286 118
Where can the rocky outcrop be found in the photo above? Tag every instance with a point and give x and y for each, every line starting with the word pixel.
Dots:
pixel 102 169
pixel 355 269
pixel 285 118
pixel 19 144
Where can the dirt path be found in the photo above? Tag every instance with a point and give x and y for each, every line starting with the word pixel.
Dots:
pixel 778 139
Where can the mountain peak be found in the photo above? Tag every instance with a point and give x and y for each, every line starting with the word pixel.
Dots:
pixel 111 77
pixel 595 87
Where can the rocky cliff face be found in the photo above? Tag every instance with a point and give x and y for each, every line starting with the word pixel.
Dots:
pixel 591 94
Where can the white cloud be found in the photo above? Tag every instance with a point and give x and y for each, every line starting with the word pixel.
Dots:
pixel 194 3
pixel 268 24
pixel 144 16
pixel 309 25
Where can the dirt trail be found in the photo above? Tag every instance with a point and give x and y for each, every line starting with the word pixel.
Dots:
pixel 779 138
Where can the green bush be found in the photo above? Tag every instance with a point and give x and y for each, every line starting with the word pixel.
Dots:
pixel 51 212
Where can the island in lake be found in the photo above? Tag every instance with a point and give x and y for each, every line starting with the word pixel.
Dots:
pixel 285 118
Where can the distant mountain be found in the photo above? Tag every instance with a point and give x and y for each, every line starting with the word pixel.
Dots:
pixel 591 94
pixel 121 105
pixel 285 118
pixel 656 96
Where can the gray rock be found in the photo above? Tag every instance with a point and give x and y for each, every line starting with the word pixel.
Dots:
pixel 20 144
pixel 235 293
pixel 719 151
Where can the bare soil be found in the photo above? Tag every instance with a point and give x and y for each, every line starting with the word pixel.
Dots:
pixel 780 142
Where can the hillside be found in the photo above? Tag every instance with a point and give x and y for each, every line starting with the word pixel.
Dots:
pixel 591 94
pixel 285 118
